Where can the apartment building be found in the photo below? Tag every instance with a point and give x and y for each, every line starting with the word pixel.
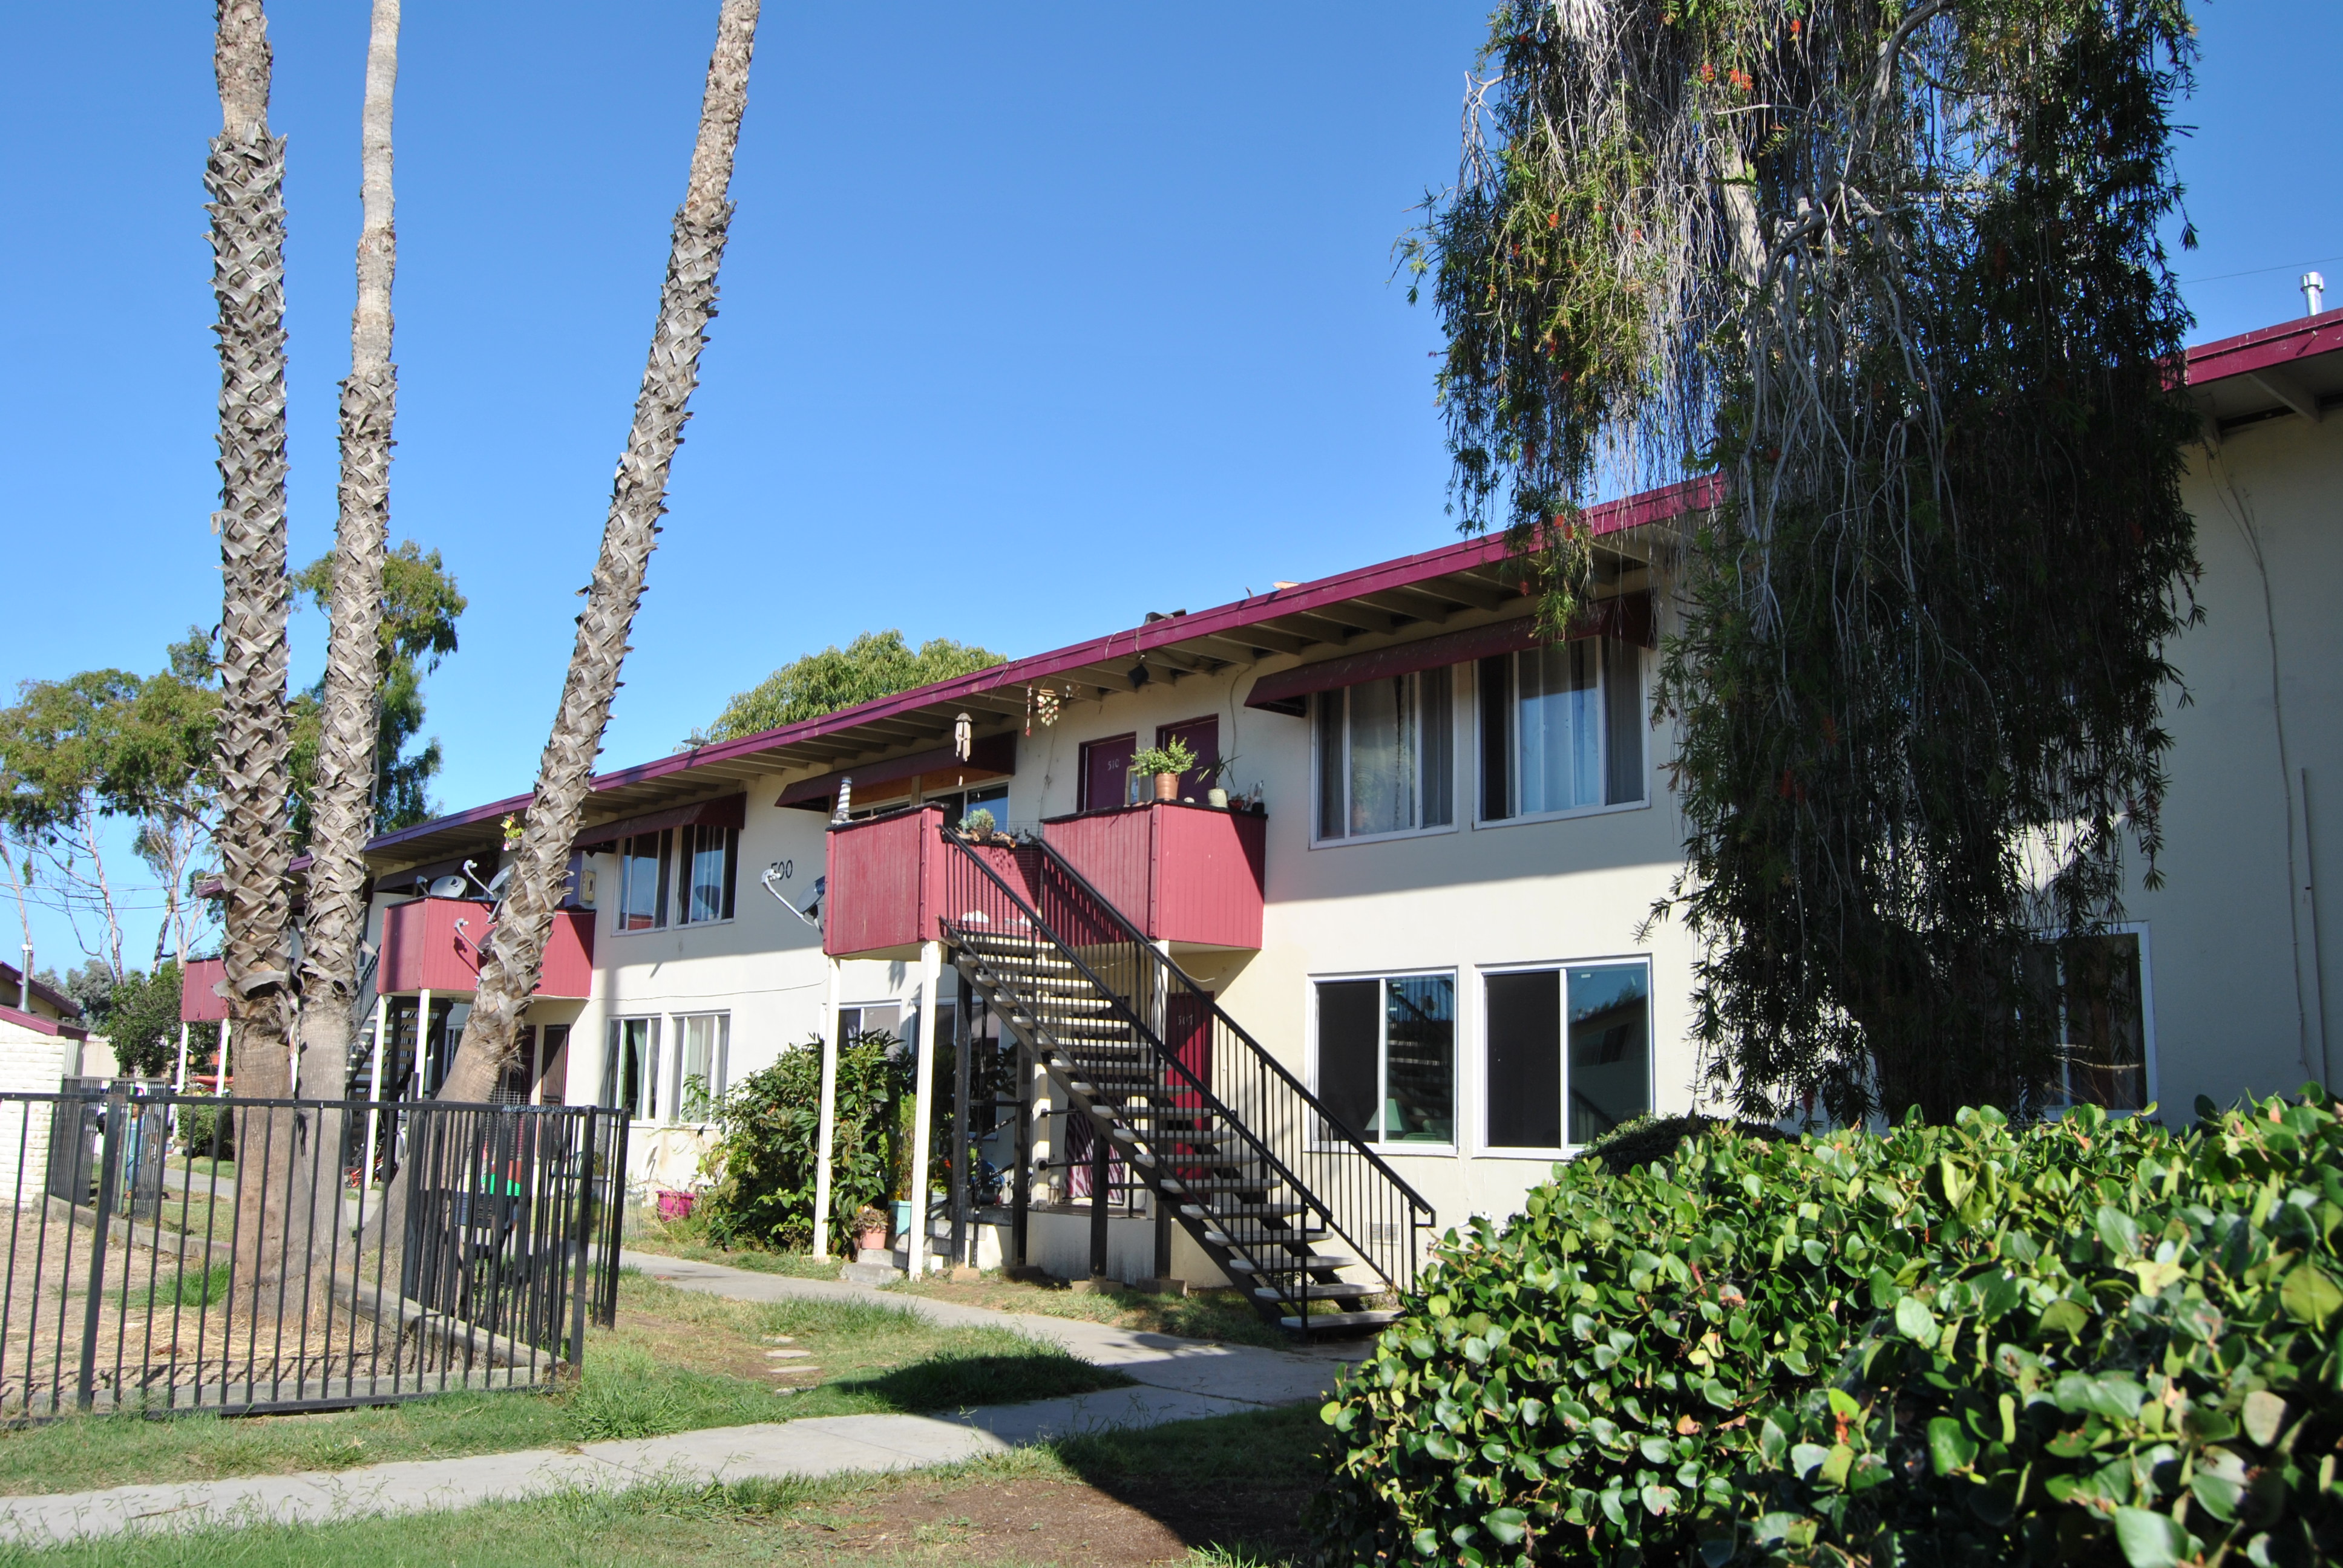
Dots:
pixel 1416 938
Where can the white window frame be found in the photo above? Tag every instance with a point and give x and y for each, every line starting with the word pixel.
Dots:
pixel 1386 1148
pixel 1457 738
pixel 2150 1088
pixel 1482 1147
pixel 614 1072
pixel 676 907
pixel 722 1052
pixel 1602 742
pixel 618 926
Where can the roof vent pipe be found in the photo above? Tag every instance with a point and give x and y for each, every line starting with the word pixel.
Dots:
pixel 2313 288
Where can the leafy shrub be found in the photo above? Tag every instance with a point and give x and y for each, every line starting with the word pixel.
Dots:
pixel 2088 1341
pixel 208 1129
pixel 764 1165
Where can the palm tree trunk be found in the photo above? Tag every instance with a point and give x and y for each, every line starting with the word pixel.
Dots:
pixel 245 177
pixel 639 497
pixel 342 816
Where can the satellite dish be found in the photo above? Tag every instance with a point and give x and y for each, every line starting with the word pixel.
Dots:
pixel 449 887
pixel 497 883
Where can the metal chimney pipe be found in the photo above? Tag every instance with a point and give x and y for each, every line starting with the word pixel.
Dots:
pixel 2314 288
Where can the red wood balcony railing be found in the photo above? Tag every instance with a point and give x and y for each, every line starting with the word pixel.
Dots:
pixel 434 945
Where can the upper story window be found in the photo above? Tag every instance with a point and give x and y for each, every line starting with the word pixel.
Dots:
pixel 1561 728
pixel 677 876
pixel 1387 757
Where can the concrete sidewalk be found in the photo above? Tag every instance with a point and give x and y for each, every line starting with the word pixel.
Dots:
pixel 1179 1380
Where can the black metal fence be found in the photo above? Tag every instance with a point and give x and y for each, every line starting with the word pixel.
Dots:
pixel 1204 1071
pixel 171 1253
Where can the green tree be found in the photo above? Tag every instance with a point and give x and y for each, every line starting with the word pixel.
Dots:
pixel 874 664
pixel 1893 271
pixel 420 606
pixel 143 1023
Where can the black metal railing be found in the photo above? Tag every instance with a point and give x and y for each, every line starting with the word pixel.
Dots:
pixel 170 1251
pixel 1033 915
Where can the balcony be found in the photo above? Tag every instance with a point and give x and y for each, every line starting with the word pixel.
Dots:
pixel 1183 874
pixel 434 945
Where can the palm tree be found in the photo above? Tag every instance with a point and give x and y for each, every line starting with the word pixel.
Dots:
pixel 342 802
pixel 246 177
pixel 637 499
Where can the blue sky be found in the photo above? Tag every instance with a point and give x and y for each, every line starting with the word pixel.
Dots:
pixel 1035 318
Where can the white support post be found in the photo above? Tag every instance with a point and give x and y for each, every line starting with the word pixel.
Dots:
pixel 423 1048
pixel 228 1027
pixel 373 1086
pixel 828 1129
pixel 179 1077
pixel 931 959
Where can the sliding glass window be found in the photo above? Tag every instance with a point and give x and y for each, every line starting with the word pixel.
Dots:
pixel 1387 1057
pixel 1567 1053
pixel 1386 757
pixel 1561 729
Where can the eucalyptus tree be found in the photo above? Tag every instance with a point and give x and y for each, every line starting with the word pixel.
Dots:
pixel 246 177
pixel 1892 270
pixel 341 804
pixel 637 499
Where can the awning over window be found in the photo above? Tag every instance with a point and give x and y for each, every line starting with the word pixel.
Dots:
pixel 724 811
pixel 1627 619
pixel 988 756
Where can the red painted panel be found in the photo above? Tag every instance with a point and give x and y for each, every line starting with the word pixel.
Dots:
pixel 878 872
pixel 1208 876
pixel 569 966
pixel 1181 873
pixel 198 1002
pixel 424 949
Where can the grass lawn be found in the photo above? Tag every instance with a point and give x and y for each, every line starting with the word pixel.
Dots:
pixel 1227 1492
pixel 677 1360
pixel 1221 1315
pixel 202 1166
pixel 689 1239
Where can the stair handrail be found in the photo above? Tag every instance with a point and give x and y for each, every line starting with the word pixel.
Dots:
pixel 1422 1212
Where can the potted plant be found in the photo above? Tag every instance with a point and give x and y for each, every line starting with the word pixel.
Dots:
pixel 977 826
pixel 1167 762
pixel 1215 774
pixel 871 1229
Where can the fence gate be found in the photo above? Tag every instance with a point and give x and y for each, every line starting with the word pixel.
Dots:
pixel 187 1252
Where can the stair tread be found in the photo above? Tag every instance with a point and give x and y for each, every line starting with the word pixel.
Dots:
pixel 1320 1321
pixel 1313 1262
pixel 1318 1290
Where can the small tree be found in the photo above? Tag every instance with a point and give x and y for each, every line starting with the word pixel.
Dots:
pixel 764 1169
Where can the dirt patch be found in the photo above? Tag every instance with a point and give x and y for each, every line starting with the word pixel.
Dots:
pixel 1042 1522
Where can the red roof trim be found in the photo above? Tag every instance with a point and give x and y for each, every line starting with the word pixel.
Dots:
pixel 1487 549
pixel 2258 350
pixel 40 1025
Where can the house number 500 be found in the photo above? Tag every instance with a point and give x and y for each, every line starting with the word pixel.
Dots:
pixel 785 869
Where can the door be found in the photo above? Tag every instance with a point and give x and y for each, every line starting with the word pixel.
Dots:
pixel 1106 772
pixel 1202 737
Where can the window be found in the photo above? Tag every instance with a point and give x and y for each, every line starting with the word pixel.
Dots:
pixel 870 1018
pixel 701 1042
pixel 1106 777
pixel 1387 1057
pixel 960 804
pixel 631 1072
pixel 1568 1052
pixel 710 857
pixel 1386 753
pixel 1561 728
pixel 2100 984
pixel 642 880
pixel 698 862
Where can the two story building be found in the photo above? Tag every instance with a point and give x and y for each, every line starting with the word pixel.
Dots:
pixel 1423 909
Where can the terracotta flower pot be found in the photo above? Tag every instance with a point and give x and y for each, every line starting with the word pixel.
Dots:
pixel 873 1240
pixel 1167 785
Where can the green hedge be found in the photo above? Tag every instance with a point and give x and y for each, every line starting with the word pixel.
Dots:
pixel 2090 1342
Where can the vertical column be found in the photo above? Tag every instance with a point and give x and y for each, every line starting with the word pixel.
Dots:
pixel 423 1048
pixel 374 1085
pixel 1021 1178
pixel 1100 1172
pixel 827 1126
pixel 228 1026
pixel 963 1043
pixel 923 1108
pixel 179 1077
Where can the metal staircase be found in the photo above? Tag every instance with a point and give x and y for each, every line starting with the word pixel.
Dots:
pixel 1287 1201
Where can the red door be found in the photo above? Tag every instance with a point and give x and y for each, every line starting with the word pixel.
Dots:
pixel 1106 772
pixel 1202 737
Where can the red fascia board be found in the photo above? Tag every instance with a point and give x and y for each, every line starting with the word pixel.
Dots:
pixel 2258 350
pixel 40 1025
pixel 1658 506
pixel 12 979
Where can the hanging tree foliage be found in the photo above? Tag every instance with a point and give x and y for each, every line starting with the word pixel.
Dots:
pixel 1891 269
